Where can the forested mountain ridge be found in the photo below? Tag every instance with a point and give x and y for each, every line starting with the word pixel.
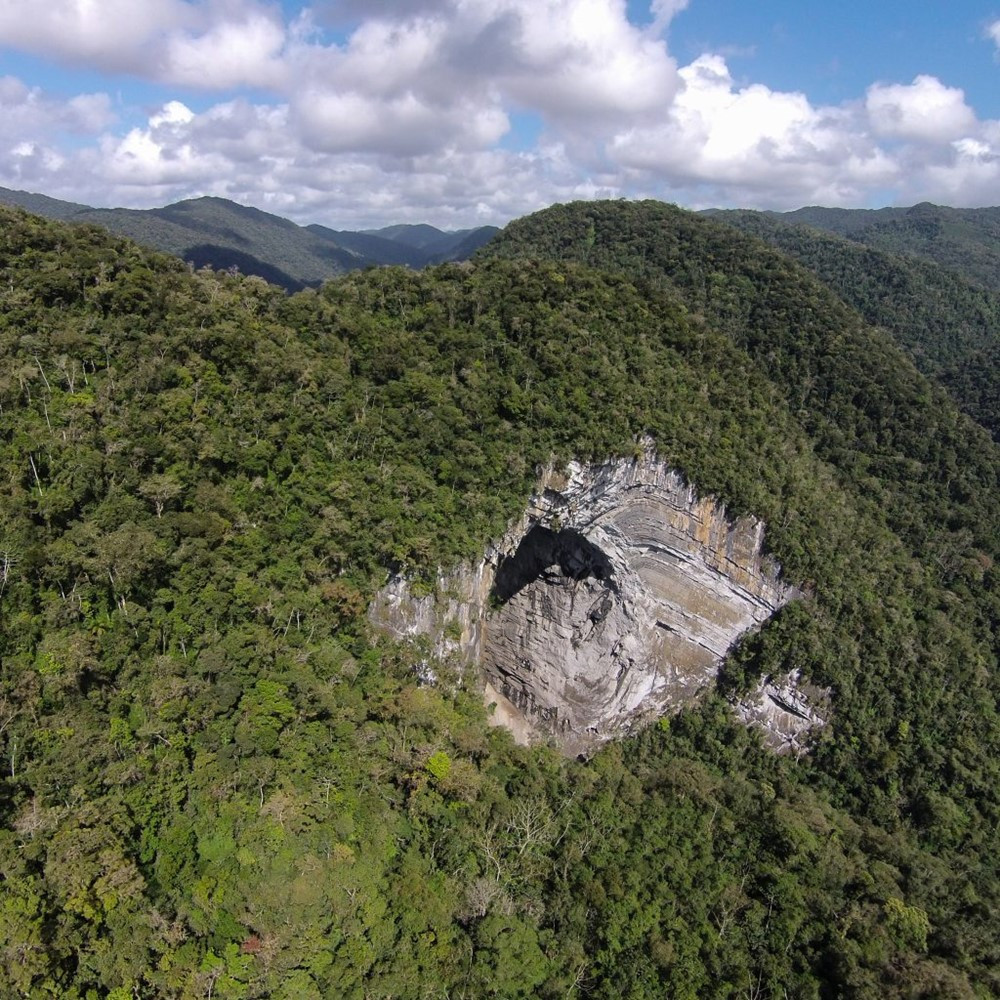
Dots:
pixel 965 240
pixel 949 325
pixel 216 779
pixel 222 234
pixel 439 247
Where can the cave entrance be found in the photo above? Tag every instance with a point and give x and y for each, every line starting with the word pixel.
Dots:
pixel 552 557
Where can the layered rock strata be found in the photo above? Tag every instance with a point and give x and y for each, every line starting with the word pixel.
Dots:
pixel 613 599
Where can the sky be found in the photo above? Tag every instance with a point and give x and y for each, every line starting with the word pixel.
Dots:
pixel 356 113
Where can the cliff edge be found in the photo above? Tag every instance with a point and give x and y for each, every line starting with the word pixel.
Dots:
pixel 614 599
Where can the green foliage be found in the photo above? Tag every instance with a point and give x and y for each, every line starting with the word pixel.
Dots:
pixel 439 764
pixel 963 240
pixel 945 321
pixel 216 780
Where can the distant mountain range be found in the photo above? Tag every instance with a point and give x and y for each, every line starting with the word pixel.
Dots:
pixel 965 240
pixel 221 234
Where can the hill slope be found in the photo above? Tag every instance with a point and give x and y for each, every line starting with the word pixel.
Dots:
pixel 218 233
pixel 948 325
pixel 965 240
pixel 216 779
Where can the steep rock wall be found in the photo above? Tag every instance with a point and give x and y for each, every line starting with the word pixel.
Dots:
pixel 613 599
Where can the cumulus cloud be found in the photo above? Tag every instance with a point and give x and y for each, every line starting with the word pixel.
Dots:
pixel 33 125
pixel 210 44
pixel 243 52
pixel 770 147
pixel 925 110
pixel 408 113
pixel 448 74
pixel 31 118
pixel 403 126
pixel 115 35
pixel 585 60
pixel 347 11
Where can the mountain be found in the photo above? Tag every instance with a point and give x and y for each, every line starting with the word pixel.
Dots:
pixel 437 245
pixel 40 204
pixel 218 233
pixel 464 243
pixel 219 777
pixel 386 251
pixel 423 237
pixel 412 246
pixel 965 240
pixel 948 324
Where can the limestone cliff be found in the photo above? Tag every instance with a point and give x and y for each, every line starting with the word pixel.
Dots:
pixel 613 599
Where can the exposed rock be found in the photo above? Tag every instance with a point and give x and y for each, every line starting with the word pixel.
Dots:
pixel 613 599
pixel 786 710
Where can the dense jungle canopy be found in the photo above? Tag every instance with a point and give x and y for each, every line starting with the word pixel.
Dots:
pixel 217 780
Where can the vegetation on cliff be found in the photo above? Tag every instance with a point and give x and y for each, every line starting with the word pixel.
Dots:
pixel 217 782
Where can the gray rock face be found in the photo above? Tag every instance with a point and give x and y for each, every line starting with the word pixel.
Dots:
pixel 786 710
pixel 614 599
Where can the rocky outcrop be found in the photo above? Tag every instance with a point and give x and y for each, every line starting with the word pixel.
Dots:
pixel 786 710
pixel 613 599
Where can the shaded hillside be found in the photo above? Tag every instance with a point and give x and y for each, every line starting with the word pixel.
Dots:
pixel 40 204
pixel 222 235
pixel 435 246
pixel 371 247
pixel 411 246
pixel 948 325
pixel 966 240
pixel 216 780
pixel 421 236
pixel 463 244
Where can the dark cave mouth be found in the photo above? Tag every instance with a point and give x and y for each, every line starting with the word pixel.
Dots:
pixel 542 552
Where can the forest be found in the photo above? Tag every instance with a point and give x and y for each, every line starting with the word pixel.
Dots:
pixel 944 318
pixel 218 780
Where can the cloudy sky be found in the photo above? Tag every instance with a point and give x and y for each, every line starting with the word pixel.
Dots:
pixel 461 112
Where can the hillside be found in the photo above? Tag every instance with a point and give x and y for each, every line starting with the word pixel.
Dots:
pixel 437 246
pixel 219 779
pixel 220 234
pixel 965 240
pixel 949 325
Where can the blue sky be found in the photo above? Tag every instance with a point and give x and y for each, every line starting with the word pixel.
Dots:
pixel 353 113
pixel 835 51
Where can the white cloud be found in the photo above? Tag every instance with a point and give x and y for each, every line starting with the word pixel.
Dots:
pixel 213 44
pixel 400 126
pixel 773 148
pixel 664 11
pixel 113 35
pixel 244 52
pixel 172 113
pixel 28 114
pixel 408 113
pixel 924 111
pixel 581 59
